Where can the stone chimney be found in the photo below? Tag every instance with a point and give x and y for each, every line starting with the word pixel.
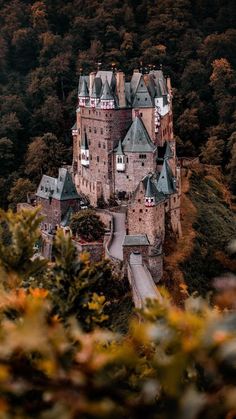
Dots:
pixel 91 80
pixel 120 86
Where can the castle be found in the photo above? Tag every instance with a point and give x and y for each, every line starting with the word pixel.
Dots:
pixel 124 148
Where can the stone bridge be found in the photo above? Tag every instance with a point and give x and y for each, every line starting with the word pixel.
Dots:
pixel 141 281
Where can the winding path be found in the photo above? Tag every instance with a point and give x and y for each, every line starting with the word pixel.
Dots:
pixel 140 278
pixel 115 249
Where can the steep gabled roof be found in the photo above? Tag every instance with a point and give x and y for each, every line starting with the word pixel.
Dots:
pixel 97 87
pixel 106 92
pixel 168 152
pixel 157 77
pixel 119 149
pixel 61 188
pixel 107 75
pixel 165 183
pixel 84 89
pixel 150 187
pixel 142 98
pixel 134 83
pixel 137 139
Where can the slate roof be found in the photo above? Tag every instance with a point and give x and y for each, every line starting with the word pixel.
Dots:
pixel 84 89
pixel 142 98
pixel 81 80
pixel 168 152
pixel 138 240
pixel 166 182
pixel 119 149
pixel 107 75
pixel 97 87
pixel 61 188
pixel 137 139
pixel 106 92
pixel 134 83
pixel 151 190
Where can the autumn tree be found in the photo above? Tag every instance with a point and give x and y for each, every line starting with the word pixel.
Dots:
pixel 212 152
pixel 87 225
pixel 44 156
pixel 19 191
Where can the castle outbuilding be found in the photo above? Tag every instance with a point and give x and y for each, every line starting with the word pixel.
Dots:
pixel 58 199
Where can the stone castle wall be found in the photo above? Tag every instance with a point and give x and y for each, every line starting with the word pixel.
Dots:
pixel 136 167
pixel 104 129
pixel 146 220
pixel 54 210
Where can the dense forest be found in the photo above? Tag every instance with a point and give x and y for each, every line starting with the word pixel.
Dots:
pixel 45 45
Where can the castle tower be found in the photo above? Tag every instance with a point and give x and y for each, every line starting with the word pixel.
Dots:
pixel 107 99
pixel 83 94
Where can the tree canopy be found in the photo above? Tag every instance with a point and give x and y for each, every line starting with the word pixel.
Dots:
pixel 45 45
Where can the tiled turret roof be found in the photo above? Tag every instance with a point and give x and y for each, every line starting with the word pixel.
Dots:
pixel 61 188
pixel 137 139
pixel 106 92
pixel 165 182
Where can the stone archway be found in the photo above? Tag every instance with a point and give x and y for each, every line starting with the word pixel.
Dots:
pixel 135 258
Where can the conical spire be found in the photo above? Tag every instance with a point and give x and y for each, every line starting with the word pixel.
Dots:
pixel 165 182
pixel 119 149
pixel 168 152
pixel 149 193
pixel 84 89
pixel 137 138
pixel 94 94
pixel 106 93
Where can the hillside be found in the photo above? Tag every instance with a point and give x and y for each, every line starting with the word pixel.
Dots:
pixel 208 223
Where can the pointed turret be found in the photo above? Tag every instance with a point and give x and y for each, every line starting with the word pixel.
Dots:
pixel 142 98
pixel 107 98
pixel 84 93
pixel 137 139
pixel 168 152
pixel 149 194
pixel 85 151
pixel 166 182
pixel 120 158
pixel 94 98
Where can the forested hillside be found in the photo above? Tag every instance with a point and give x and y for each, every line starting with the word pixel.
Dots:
pixel 45 45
